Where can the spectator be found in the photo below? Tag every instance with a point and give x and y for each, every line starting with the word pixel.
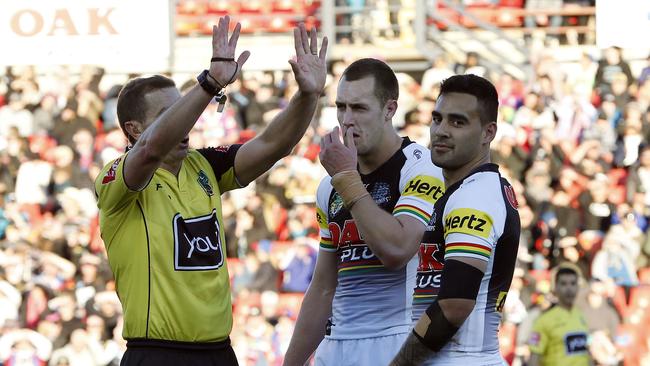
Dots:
pixel 298 268
pixel 609 66
pixel 69 123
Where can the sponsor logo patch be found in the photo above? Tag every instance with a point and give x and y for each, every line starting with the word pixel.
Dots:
pixel 428 260
pixel 424 187
pixel 112 172
pixel 197 243
pixel 322 219
pixel 468 221
pixel 575 343
pixel 223 148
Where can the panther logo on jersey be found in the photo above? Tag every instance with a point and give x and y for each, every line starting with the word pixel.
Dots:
pixel 336 205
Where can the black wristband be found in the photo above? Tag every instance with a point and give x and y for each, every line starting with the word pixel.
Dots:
pixel 439 331
pixel 209 84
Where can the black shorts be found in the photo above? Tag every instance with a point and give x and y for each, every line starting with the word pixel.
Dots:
pixel 167 353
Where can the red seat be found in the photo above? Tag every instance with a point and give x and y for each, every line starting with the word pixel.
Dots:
pixel 279 24
pixel 223 7
pixel 252 7
pixel 287 6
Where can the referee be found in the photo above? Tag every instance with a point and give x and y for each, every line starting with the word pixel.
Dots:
pixel 160 206
pixel 560 334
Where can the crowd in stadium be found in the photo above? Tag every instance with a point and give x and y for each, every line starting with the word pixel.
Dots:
pixel 574 140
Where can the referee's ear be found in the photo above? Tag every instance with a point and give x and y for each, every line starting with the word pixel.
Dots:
pixel 133 130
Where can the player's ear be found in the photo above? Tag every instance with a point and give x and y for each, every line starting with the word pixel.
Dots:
pixel 390 108
pixel 489 132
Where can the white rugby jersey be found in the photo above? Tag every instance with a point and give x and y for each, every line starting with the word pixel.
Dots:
pixel 476 217
pixel 370 300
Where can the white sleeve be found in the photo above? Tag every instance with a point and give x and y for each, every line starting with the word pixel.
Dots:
pixel 322 209
pixel 474 218
pixel 421 185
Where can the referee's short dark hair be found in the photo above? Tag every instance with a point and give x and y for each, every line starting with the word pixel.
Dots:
pixel 386 86
pixel 131 105
pixel 565 270
pixel 481 88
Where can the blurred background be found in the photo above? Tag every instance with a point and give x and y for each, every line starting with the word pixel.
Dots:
pixel 573 78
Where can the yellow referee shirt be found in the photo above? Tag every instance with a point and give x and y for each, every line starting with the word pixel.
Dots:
pixel 560 337
pixel 166 247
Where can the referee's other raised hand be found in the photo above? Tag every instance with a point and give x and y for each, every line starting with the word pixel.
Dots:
pixel 309 67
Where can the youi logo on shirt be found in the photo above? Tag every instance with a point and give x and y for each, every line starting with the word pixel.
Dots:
pixel 575 342
pixel 197 243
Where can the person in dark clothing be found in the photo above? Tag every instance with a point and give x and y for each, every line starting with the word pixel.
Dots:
pixel 70 123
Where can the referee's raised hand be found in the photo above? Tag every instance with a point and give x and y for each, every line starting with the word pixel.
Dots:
pixel 223 49
pixel 309 67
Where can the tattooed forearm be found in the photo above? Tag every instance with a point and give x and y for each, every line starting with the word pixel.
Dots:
pixel 412 353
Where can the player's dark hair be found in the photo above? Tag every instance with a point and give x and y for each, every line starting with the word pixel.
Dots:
pixel 131 105
pixel 481 88
pixel 386 86
pixel 565 271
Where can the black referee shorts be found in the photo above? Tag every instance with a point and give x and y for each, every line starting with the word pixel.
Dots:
pixel 167 353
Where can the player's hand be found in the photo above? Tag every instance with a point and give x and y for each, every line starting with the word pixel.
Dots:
pixel 225 71
pixel 309 67
pixel 336 156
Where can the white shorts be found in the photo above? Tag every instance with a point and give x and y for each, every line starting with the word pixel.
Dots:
pixel 466 359
pixel 377 351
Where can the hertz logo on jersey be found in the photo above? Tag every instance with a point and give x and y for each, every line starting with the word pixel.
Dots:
pixel 425 187
pixel 468 221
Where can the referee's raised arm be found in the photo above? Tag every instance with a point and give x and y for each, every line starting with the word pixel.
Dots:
pixel 168 117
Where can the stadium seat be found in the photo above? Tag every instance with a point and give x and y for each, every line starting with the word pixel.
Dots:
pixel 287 6
pixel 252 7
pixel 279 24
pixel 223 7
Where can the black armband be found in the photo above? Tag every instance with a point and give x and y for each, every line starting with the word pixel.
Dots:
pixel 439 331
pixel 459 281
